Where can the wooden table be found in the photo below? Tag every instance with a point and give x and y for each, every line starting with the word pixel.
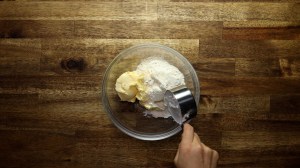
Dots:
pixel 54 54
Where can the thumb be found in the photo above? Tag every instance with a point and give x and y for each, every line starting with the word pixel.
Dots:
pixel 176 157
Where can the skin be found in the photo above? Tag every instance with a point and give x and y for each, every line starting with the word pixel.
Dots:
pixel 192 153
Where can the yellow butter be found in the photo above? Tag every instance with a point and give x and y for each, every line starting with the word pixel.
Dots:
pixel 126 86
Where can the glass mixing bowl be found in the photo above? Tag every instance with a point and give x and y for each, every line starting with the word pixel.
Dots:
pixel 129 117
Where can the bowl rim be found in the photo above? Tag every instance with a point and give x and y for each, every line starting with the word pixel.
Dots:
pixel 117 123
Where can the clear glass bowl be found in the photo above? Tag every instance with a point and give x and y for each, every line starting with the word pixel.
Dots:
pixel 129 117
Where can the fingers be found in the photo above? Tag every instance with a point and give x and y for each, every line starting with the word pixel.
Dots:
pixel 191 150
pixel 196 138
pixel 188 134
pixel 176 157
pixel 207 154
pixel 214 160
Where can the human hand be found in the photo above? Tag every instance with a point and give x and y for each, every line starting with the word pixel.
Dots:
pixel 192 153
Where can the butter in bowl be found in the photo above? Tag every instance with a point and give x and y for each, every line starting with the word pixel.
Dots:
pixel 134 87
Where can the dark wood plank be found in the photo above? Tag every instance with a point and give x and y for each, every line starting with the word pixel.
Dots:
pixel 72 104
pixel 18 145
pixel 279 33
pixel 215 67
pixel 249 49
pixel 207 11
pixel 281 157
pixel 258 67
pixel 92 56
pixel 90 152
pixel 19 84
pixel 92 148
pixel 282 67
pixel 261 30
pixel 211 125
pixel 20 56
pixel 190 11
pixel 36 28
pixel 80 149
pixel 78 11
pixel 285 104
pixel 236 140
pixel 245 105
pixel 261 11
pixel 148 29
pixel 86 83
pixel 18 103
pixel 61 106
pixel 249 86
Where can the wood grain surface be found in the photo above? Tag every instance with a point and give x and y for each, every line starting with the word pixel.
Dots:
pixel 246 54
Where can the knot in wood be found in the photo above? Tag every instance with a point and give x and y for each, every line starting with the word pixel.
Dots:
pixel 73 64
